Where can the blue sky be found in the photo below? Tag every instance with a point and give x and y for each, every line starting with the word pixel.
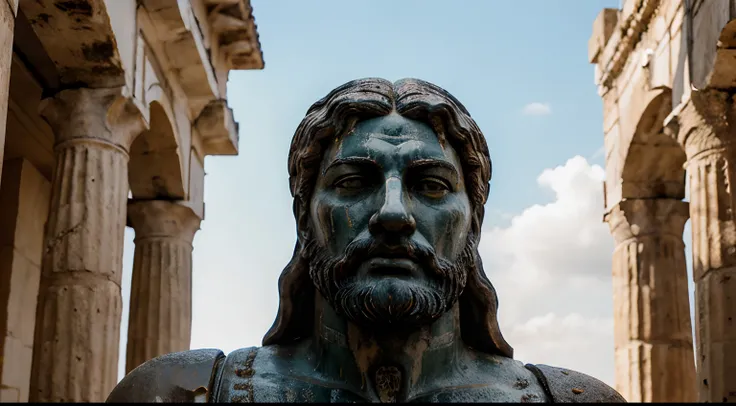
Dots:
pixel 495 56
pixel 544 246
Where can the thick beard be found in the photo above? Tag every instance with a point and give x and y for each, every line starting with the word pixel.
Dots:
pixel 388 302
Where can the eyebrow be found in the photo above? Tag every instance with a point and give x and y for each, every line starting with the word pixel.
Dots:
pixel 418 164
pixel 353 160
pixel 425 163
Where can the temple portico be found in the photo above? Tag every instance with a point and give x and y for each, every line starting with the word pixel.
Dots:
pixel 104 130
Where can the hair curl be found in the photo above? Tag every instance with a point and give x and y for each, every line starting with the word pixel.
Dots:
pixel 334 116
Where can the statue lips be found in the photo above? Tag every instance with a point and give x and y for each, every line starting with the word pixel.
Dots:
pixel 396 267
pixel 397 262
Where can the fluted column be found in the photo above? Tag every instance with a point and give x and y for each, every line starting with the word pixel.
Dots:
pixel 75 353
pixel 161 292
pixel 703 125
pixel 653 334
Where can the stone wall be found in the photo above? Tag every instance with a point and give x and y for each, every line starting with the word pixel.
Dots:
pixel 24 197
pixel 666 70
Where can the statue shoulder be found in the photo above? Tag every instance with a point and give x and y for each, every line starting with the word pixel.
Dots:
pixel 176 377
pixel 567 386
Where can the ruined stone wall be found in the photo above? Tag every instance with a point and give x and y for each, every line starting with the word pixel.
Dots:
pixel 665 70
pixel 107 98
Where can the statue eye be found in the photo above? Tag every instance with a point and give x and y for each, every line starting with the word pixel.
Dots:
pixel 432 187
pixel 351 183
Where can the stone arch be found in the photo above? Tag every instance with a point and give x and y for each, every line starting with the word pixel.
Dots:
pixel 155 170
pixel 654 163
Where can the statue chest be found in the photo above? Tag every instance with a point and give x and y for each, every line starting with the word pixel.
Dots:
pixel 250 377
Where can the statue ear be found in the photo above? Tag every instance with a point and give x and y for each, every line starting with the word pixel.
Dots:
pixel 302 237
pixel 302 222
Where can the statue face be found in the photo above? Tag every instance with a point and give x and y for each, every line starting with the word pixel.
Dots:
pixel 390 218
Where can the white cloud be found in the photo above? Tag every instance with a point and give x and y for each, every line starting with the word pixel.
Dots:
pixel 537 109
pixel 581 343
pixel 551 268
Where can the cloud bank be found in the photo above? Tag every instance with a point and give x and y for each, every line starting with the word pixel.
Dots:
pixel 551 268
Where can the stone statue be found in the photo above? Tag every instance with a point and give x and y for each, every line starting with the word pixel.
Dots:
pixel 385 298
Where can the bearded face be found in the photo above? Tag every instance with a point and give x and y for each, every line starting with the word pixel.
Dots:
pixel 389 225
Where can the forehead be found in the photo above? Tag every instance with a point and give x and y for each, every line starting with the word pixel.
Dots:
pixel 394 136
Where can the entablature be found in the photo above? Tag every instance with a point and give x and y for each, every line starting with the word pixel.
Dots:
pixel 631 22
pixel 234 33
pixel 80 41
pixel 217 129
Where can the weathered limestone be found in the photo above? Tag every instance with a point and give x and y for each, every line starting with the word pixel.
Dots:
pixel 80 39
pixel 653 333
pixel 24 201
pixel 161 291
pixel 78 320
pixel 633 51
pixel 160 69
pixel 8 9
pixel 703 125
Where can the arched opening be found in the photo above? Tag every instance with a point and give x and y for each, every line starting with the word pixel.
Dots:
pixel 654 164
pixel 155 163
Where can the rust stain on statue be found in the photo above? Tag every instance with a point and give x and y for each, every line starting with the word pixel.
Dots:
pixel 416 352
pixel 347 215
pixel 364 351
pixel 388 383
pixel 244 373
pixel 246 386
pixel 247 370
pixel 528 398
pixel 521 384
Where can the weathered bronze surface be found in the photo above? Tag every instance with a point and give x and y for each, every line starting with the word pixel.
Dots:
pixel 385 299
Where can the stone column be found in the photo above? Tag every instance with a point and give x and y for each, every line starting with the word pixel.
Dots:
pixel 653 334
pixel 703 126
pixel 161 292
pixel 75 354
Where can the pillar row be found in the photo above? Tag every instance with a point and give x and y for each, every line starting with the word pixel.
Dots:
pixel 79 305
pixel 703 125
pixel 653 334
pixel 161 291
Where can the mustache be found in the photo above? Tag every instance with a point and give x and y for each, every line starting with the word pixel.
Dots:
pixel 359 251
pixel 379 301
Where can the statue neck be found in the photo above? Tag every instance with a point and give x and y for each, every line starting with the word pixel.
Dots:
pixel 386 365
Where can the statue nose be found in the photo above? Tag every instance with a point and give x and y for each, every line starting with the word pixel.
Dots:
pixel 393 216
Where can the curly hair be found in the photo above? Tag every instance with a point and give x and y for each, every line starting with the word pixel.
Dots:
pixel 336 115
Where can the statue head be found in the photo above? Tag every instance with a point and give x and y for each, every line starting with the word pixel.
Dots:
pixel 389 183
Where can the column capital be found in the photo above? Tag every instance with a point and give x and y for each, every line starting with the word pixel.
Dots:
pixel 162 219
pixel 704 121
pixel 104 115
pixel 632 218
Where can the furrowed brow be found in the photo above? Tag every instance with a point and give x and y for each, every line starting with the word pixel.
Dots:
pixel 357 161
pixel 433 163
